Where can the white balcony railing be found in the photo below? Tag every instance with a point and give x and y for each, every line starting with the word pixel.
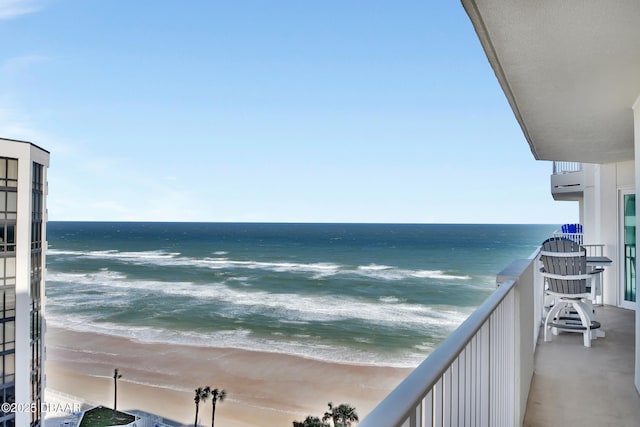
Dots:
pixel 576 237
pixel 566 167
pixel 567 181
pixel 481 374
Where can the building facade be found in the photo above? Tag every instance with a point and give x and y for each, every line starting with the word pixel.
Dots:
pixel 23 188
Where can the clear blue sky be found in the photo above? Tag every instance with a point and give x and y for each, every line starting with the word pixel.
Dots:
pixel 267 110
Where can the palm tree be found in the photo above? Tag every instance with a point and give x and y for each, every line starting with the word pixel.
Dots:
pixel 216 395
pixel 348 414
pixel 310 421
pixel 201 395
pixel 342 415
pixel 116 377
pixel 331 414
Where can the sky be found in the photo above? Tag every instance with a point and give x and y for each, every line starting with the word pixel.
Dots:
pixel 268 111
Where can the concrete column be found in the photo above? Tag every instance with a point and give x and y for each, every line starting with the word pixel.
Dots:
pixel 608 229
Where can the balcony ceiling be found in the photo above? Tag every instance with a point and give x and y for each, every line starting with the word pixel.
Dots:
pixel 570 70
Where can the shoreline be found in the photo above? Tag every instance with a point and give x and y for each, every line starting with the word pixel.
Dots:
pixel 263 388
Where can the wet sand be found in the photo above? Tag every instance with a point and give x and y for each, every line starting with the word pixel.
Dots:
pixel 263 389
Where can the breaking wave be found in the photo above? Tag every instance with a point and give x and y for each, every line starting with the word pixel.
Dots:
pixel 317 269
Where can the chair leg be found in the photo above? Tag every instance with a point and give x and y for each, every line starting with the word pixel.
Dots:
pixel 591 312
pixel 585 318
pixel 584 309
pixel 588 306
pixel 555 310
pixel 596 333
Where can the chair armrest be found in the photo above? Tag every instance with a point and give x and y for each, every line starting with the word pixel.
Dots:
pixel 566 277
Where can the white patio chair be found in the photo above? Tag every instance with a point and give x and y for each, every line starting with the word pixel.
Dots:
pixel 571 285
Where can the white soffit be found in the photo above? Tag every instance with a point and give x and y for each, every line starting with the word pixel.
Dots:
pixel 570 70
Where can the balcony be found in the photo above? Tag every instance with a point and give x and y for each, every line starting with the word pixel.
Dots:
pixel 573 385
pixel 567 181
pixel 495 371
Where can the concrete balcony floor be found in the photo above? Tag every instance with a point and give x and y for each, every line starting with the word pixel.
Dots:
pixel 578 386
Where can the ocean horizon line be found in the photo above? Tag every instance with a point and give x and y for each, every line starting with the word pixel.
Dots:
pixel 293 222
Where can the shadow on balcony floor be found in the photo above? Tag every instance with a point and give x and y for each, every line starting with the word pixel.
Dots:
pixel 574 385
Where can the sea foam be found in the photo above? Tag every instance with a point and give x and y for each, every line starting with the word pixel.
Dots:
pixel 316 269
pixel 302 346
pixel 237 302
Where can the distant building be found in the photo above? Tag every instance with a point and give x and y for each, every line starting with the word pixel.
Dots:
pixel 23 189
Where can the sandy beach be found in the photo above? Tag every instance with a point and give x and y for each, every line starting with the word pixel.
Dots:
pixel 263 389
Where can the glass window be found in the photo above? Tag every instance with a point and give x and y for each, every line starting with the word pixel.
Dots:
pixel 630 247
pixel 10 393
pixel 9 335
pixel 11 267
pixel 12 201
pixel 10 364
pixel 8 172
pixel 11 237
pixel 10 298
pixel 12 169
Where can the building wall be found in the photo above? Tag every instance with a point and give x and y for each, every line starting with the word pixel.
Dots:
pixel 600 215
pixel 26 292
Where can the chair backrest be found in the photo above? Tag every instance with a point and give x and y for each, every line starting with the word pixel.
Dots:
pixel 564 257
pixel 571 228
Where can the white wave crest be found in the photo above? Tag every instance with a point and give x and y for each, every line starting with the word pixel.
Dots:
pixel 288 306
pixel 316 269
pixel 437 274
pixel 92 278
pixel 112 253
pixel 389 300
pixel 397 274
pixel 320 268
pixel 374 267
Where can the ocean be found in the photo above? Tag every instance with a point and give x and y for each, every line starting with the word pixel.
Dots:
pixel 370 294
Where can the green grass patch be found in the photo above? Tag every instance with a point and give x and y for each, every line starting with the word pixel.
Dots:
pixel 102 417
